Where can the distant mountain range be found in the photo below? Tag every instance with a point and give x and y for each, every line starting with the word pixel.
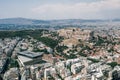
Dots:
pixel 25 21
pixel 22 21
pixel 25 24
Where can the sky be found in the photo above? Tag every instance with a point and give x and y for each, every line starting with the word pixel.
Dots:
pixel 60 9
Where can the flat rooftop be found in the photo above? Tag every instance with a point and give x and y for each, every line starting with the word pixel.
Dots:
pixel 31 54
pixel 24 59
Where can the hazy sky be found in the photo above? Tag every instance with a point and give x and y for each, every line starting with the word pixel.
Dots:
pixel 60 9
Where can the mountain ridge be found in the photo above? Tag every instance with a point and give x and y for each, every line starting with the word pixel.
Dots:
pixel 27 21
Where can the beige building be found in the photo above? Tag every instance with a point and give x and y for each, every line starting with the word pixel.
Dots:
pixel 75 33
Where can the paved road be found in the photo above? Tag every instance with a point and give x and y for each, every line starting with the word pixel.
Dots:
pixel 1 78
pixel 5 67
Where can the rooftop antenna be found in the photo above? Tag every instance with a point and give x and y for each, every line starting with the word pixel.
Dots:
pixel 110 22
